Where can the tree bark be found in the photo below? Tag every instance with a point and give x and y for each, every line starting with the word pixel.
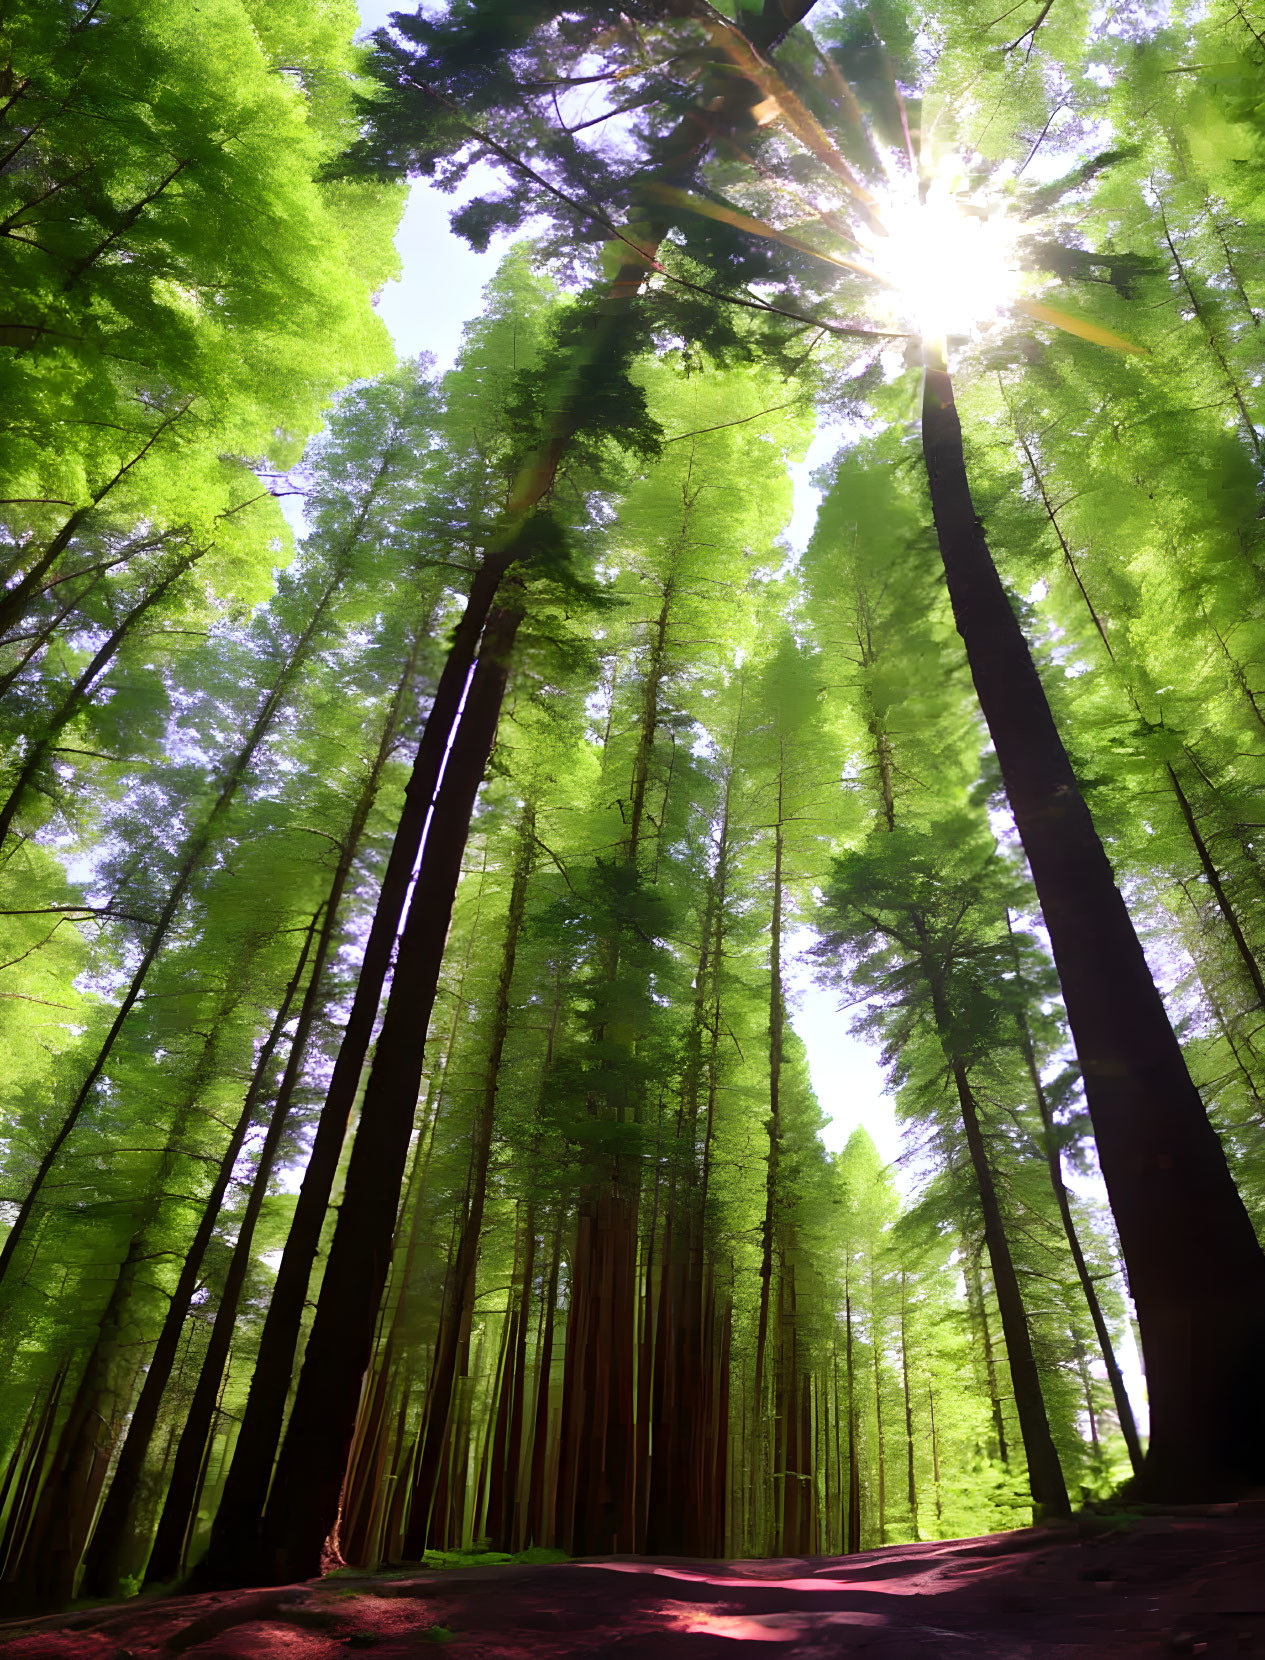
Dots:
pixel 112 1536
pixel 979 1318
pixel 1054 1163
pixel 303 1504
pixel 878 1407
pixel 43 1573
pixel 853 1532
pixel 1196 1269
pixel 909 1407
pixel 1045 1473
pixel 539 1528
pixel 443 1372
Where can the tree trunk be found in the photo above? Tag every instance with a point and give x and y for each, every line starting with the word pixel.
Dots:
pixel 29 1480
pixel 112 1536
pixel 506 1524
pixel 43 1574
pixel 1195 1267
pixel 303 1505
pixel 1045 1473
pixel 1054 1163
pixel 246 1485
pixel 909 1408
pixel 777 1021
pixel 195 850
pixel 444 1368
pixel 182 1490
pixel 540 1528
pixel 878 1408
pixel 853 1535
pixel 40 748
pixel 979 1325
pixel 1246 955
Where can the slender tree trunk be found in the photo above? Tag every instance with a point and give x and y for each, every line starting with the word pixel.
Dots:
pixel 44 1572
pixel 838 1422
pixel 40 748
pixel 1196 1269
pixel 1246 955
pixel 304 1500
pixel 113 1536
pixel 14 1462
pixel 909 1408
pixel 488 1487
pixel 443 1373
pixel 777 1020
pixel 540 1527
pixel 507 1523
pixel 1045 1473
pixel 979 1329
pixel 27 1491
pixel 1054 1163
pixel 1087 1384
pixel 246 1485
pixel 173 1527
pixel 853 1533
pixel 195 851
pixel 720 1506
pixel 878 1407
pixel 360 1507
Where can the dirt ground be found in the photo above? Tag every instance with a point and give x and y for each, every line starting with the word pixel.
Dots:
pixel 1187 1582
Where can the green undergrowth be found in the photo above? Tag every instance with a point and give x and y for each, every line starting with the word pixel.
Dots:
pixel 442 1561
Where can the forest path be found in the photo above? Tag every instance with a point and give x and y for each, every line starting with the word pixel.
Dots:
pixel 1190 1582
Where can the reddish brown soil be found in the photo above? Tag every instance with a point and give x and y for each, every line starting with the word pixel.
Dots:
pixel 1180 1583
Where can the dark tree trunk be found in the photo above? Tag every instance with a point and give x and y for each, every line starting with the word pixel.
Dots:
pixel 1054 1163
pixel 878 1408
pixel 838 1438
pixel 303 1506
pixel 853 1531
pixel 112 1537
pixel 173 1527
pixel 1045 1473
pixel 777 1021
pixel 29 1479
pixel 461 1290
pixel 979 1327
pixel 506 1521
pixel 909 1406
pixel 43 1574
pixel 1195 1267
pixel 539 1510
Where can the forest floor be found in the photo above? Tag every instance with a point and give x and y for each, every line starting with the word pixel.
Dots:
pixel 1182 1582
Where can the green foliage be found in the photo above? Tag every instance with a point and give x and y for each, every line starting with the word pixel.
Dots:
pixel 207 740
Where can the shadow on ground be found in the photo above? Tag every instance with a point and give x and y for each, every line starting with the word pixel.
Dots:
pixel 1188 1582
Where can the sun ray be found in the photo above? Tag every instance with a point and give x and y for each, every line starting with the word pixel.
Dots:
pixel 755 227
pixel 1079 326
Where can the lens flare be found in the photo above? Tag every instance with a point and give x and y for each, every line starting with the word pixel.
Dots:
pixel 948 260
